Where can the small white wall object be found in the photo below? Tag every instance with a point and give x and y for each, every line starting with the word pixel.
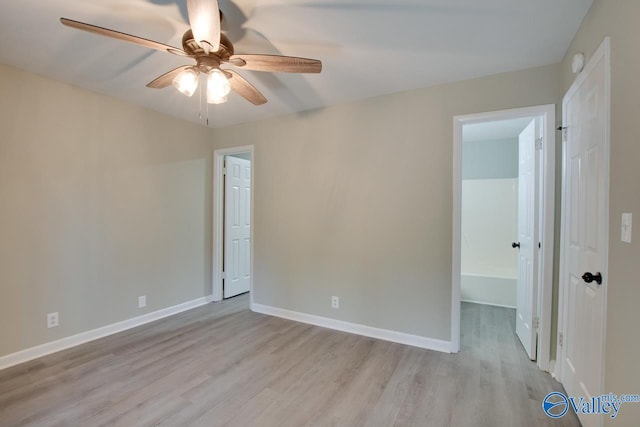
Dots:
pixel 626 227
pixel 578 63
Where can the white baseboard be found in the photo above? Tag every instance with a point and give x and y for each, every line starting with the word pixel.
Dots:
pixel 83 337
pixel 487 303
pixel 354 328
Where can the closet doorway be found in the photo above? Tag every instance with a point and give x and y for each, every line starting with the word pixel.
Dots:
pixel 233 229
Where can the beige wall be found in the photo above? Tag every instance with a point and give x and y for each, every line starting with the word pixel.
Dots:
pixel 340 209
pixel 104 201
pixel 619 20
pixel 101 202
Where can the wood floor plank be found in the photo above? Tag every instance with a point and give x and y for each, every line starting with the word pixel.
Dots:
pixel 223 365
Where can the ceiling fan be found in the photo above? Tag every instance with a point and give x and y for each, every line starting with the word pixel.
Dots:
pixel 211 49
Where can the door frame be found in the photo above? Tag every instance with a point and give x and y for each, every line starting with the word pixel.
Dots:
pixel 218 218
pixel 546 208
pixel 603 51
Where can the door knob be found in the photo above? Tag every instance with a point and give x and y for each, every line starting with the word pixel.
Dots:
pixel 588 277
pixel 515 245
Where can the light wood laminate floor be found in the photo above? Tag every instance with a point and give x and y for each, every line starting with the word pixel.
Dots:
pixel 221 364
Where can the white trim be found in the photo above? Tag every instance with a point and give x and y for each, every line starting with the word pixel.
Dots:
pixel 607 188
pixel 487 303
pixel 547 234
pixel 552 370
pixel 604 50
pixel 547 199
pixel 218 215
pixel 84 337
pixel 354 328
pixel 456 258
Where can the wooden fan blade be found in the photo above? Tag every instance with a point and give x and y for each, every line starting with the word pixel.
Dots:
pixel 122 36
pixel 244 88
pixel 167 78
pixel 278 63
pixel 204 17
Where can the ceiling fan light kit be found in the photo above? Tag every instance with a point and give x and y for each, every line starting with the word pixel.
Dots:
pixel 211 49
pixel 218 87
pixel 187 81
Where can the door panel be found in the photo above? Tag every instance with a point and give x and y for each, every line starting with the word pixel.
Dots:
pixel 585 219
pixel 237 232
pixel 527 230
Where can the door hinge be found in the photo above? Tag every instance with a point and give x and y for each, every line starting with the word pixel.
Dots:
pixel 224 275
pixel 224 170
pixel 560 339
pixel 536 323
pixel 539 144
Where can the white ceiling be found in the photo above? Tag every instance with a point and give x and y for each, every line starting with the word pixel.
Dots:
pixel 368 47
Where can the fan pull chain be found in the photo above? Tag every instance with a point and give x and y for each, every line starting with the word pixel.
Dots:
pixel 200 102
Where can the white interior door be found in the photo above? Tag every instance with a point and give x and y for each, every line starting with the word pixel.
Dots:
pixel 237 227
pixel 585 238
pixel 527 230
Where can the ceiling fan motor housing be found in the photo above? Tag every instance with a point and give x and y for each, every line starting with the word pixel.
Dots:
pixel 213 59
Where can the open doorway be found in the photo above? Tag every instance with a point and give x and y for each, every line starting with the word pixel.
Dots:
pixel 489 263
pixel 503 225
pixel 233 219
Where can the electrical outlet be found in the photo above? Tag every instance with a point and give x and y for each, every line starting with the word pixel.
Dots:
pixel 52 320
pixel 335 302
pixel 142 301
